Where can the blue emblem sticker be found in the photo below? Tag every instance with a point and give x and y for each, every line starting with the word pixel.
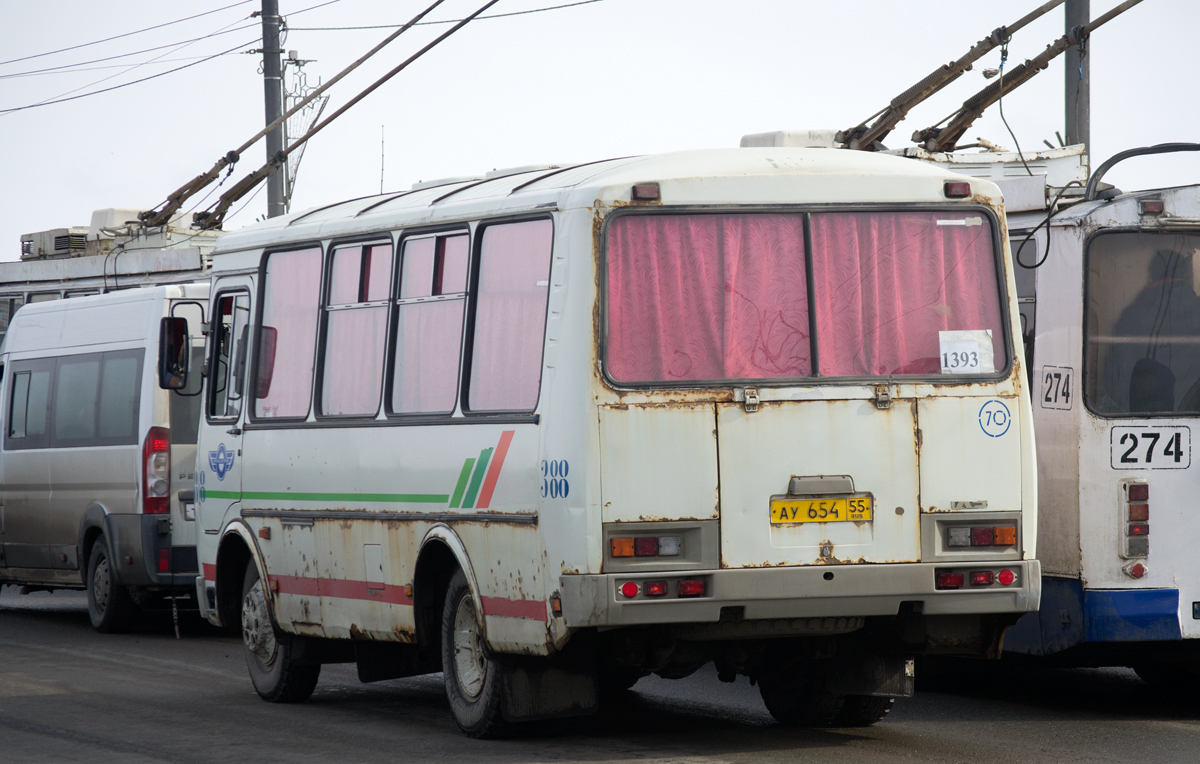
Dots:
pixel 221 461
pixel 994 418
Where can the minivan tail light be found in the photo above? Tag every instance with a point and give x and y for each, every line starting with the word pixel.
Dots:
pixel 156 472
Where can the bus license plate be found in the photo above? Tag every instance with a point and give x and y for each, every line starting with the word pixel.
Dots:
pixel 820 510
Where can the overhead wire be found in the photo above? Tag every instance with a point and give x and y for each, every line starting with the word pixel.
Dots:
pixel 69 67
pixel 126 84
pixel 127 34
pixel 446 21
pixel 1020 155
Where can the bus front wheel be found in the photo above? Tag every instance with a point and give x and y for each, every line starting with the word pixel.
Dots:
pixel 473 679
pixel 276 675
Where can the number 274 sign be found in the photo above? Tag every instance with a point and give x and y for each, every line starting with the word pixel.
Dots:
pixel 1150 448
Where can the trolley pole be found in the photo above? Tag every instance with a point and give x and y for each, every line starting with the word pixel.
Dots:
pixel 1078 81
pixel 273 92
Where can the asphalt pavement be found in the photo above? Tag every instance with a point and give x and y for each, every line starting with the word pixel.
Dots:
pixel 68 694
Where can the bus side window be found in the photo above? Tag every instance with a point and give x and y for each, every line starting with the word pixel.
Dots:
pixel 429 320
pixel 229 359
pixel 356 311
pixel 510 316
pixel 291 305
pixel 18 412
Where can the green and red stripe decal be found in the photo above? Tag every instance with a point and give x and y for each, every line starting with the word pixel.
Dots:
pixel 477 479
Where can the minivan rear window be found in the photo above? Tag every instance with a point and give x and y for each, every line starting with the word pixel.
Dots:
pixel 725 297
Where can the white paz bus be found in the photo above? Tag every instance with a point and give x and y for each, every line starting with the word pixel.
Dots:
pixel 551 430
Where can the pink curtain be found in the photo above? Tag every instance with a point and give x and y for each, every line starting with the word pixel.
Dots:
pixel 707 297
pixel 354 343
pixel 510 316
pixel 887 282
pixel 291 300
pixel 428 339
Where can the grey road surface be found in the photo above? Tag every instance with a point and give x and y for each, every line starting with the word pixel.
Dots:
pixel 68 694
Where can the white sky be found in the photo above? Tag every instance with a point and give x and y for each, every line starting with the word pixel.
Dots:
pixel 612 78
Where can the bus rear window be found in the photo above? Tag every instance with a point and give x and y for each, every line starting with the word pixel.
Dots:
pixel 1142 345
pixel 725 297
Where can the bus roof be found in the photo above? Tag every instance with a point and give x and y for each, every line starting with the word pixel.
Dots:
pixel 745 176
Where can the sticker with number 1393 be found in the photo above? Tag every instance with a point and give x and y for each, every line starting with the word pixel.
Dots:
pixel 1150 448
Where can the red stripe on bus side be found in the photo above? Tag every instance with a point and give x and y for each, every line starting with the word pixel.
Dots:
pixel 534 610
pixel 341 589
pixel 493 473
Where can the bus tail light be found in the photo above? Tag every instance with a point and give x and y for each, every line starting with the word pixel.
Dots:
pixel 164 560
pixel 645 547
pixel 692 588
pixel 982 578
pixel 670 546
pixel 655 588
pixel 956 189
pixel 949 580
pixel 156 465
pixel 621 547
pixel 1006 577
pixel 629 589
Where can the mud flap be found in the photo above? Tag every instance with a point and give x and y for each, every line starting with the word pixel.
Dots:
pixel 562 685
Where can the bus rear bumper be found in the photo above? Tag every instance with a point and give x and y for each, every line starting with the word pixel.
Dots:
pixel 824 591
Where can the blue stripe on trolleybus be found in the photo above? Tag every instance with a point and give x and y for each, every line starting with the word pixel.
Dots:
pixel 1131 615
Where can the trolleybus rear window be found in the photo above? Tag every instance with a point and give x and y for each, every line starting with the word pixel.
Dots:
pixel 1142 349
pixel 724 297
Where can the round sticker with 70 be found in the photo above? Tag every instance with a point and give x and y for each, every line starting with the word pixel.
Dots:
pixel 554 479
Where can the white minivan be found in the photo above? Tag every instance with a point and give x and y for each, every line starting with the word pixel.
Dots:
pixel 97 453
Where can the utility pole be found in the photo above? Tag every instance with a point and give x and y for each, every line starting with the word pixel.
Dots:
pixel 1077 90
pixel 273 98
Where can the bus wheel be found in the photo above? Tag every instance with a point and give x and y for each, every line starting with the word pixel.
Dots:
pixel 276 675
pixel 794 692
pixel 472 677
pixel 109 605
pixel 863 710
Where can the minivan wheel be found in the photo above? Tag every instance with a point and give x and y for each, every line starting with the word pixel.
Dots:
pixel 473 679
pixel 276 675
pixel 110 607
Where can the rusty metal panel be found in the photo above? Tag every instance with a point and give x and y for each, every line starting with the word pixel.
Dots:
pixel 970 453
pixel 658 462
pixel 762 451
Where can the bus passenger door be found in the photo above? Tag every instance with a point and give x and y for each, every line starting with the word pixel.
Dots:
pixel 219 447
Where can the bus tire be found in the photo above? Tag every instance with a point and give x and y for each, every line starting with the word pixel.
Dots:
pixel 473 679
pixel 277 676
pixel 863 710
pixel 110 607
pixel 794 693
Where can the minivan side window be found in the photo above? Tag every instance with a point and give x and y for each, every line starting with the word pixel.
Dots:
pixel 75 401
pixel 510 316
pixel 290 307
pixel 356 311
pixel 429 320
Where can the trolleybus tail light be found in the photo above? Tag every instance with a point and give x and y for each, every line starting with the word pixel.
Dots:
pixel 1006 577
pixel 164 560
pixel 1139 492
pixel 692 588
pixel 1152 206
pixel 1136 524
pixel 948 580
pixel 655 588
pixel 1139 529
pixel 982 578
pixel 645 547
pixel 629 589
pixel 156 478
pixel 957 189
pixel 1136 570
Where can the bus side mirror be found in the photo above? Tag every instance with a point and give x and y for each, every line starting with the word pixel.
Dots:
pixel 266 361
pixel 173 353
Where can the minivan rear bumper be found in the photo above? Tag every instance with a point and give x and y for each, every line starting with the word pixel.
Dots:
pixel 819 591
